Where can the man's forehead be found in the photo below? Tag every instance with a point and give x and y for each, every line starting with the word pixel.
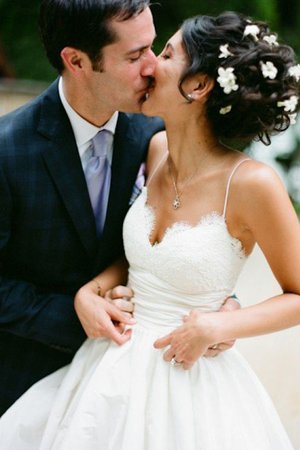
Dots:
pixel 135 33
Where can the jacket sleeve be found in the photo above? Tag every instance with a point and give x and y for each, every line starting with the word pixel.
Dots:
pixel 50 319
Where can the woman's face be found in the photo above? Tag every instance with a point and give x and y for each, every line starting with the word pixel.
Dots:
pixel 164 96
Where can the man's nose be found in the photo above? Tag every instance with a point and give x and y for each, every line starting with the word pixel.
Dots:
pixel 149 63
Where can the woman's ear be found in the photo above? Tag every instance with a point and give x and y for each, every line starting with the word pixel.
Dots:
pixel 200 87
pixel 73 59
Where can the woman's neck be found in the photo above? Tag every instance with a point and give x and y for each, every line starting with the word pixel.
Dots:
pixel 190 145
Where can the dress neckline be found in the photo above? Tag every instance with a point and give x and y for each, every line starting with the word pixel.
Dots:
pixel 213 217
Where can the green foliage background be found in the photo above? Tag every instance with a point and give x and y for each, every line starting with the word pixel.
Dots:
pixel 20 38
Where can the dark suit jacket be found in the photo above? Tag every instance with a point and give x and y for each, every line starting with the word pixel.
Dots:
pixel 48 242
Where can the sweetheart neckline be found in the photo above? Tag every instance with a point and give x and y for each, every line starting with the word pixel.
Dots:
pixel 185 226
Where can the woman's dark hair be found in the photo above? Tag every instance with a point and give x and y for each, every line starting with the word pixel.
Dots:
pixel 82 24
pixel 254 109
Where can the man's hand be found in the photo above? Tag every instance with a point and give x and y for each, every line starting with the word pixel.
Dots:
pixel 230 304
pixel 105 317
pixel 121 296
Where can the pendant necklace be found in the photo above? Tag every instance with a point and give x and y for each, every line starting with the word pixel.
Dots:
pixel 176 203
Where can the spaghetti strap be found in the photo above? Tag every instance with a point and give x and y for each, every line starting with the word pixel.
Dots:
pixel 157 167
pixel 228 184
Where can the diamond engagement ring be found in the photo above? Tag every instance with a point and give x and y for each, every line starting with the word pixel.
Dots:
pixel 174 363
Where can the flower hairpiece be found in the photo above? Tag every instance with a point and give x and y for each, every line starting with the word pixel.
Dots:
pixel 295 72
pixel 271 39
pixel 252 30
pixel 224 52
pixel 293 118
pixel 227 79
pixel 225 110
pixel 290 104
pixel 268 70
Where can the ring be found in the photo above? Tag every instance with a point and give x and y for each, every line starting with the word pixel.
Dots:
pixel 215 347
pixel 174 363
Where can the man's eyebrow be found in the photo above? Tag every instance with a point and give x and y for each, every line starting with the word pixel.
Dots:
pixel 139 49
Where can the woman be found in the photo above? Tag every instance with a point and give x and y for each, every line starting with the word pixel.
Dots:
pixel 186 238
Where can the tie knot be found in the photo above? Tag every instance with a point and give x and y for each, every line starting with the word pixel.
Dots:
pixel 101 142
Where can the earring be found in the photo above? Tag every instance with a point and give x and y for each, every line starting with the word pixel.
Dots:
pixel 190 98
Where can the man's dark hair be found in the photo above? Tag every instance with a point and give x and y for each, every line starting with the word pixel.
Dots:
pixel 82 24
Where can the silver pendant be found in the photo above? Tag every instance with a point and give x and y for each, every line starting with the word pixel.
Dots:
pixel 176 202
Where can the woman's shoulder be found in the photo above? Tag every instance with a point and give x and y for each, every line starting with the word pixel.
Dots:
pixel 158 149
pixel 255 176
pixel 256 189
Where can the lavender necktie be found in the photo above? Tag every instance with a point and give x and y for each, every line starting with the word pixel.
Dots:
pixel 98 174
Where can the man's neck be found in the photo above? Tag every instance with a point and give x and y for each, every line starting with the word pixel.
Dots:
pixel 89 109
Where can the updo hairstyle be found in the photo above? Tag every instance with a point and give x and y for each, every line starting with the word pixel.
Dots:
pixel 256 78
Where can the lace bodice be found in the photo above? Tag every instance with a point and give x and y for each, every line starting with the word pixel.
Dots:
pixel 193 266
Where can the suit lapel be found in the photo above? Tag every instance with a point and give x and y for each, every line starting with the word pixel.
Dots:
pixel 127 157
pixel 126 160
pixel 63 162
pixel 121 158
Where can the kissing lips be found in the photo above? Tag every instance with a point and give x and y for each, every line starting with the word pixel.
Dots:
pixel 150 88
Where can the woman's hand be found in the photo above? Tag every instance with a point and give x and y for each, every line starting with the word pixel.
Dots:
pixel 121 297
pixel 105 316
pixel 191 340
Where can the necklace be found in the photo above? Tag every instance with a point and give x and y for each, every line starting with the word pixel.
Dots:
pixel 176 203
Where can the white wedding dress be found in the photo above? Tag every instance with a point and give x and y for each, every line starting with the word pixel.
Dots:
pixel 127 397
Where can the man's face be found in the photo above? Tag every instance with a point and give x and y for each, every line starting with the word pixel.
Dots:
pixel 126 65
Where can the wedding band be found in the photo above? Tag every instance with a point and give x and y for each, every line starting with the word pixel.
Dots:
pixel 214 347
pixel 174 363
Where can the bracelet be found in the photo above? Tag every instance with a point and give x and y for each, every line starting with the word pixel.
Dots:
pixel 234 297
pixel 99 289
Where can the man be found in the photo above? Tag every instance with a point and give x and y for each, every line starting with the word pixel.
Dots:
pixel 51 240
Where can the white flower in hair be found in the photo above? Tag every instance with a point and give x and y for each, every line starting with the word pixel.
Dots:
pixel 289 104
pixel 271 39
pixel 224 51
pixel 295 72
pixel 268 70
pixel 252 30
pixel 225 110
pixel 227 79
pixel 293 118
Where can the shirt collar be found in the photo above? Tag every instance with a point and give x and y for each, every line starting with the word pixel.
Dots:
pixel 83 130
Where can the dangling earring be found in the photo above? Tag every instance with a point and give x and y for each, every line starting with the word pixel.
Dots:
pixel 190 98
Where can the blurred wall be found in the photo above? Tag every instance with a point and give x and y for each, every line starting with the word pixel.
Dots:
pixel 14 93
pixel 275 357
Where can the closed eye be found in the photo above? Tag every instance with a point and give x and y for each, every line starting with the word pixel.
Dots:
pixel 135 59
pixel 165 55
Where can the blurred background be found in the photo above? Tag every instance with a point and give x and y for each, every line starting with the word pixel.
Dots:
pixel 25 72
pixel 22 54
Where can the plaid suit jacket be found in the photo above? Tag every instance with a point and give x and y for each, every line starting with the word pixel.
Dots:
pixel 48 242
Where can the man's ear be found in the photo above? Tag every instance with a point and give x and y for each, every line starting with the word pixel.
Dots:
pixel 73 59
pixel 200 87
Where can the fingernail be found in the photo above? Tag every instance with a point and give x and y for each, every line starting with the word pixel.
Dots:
pixel 133 321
